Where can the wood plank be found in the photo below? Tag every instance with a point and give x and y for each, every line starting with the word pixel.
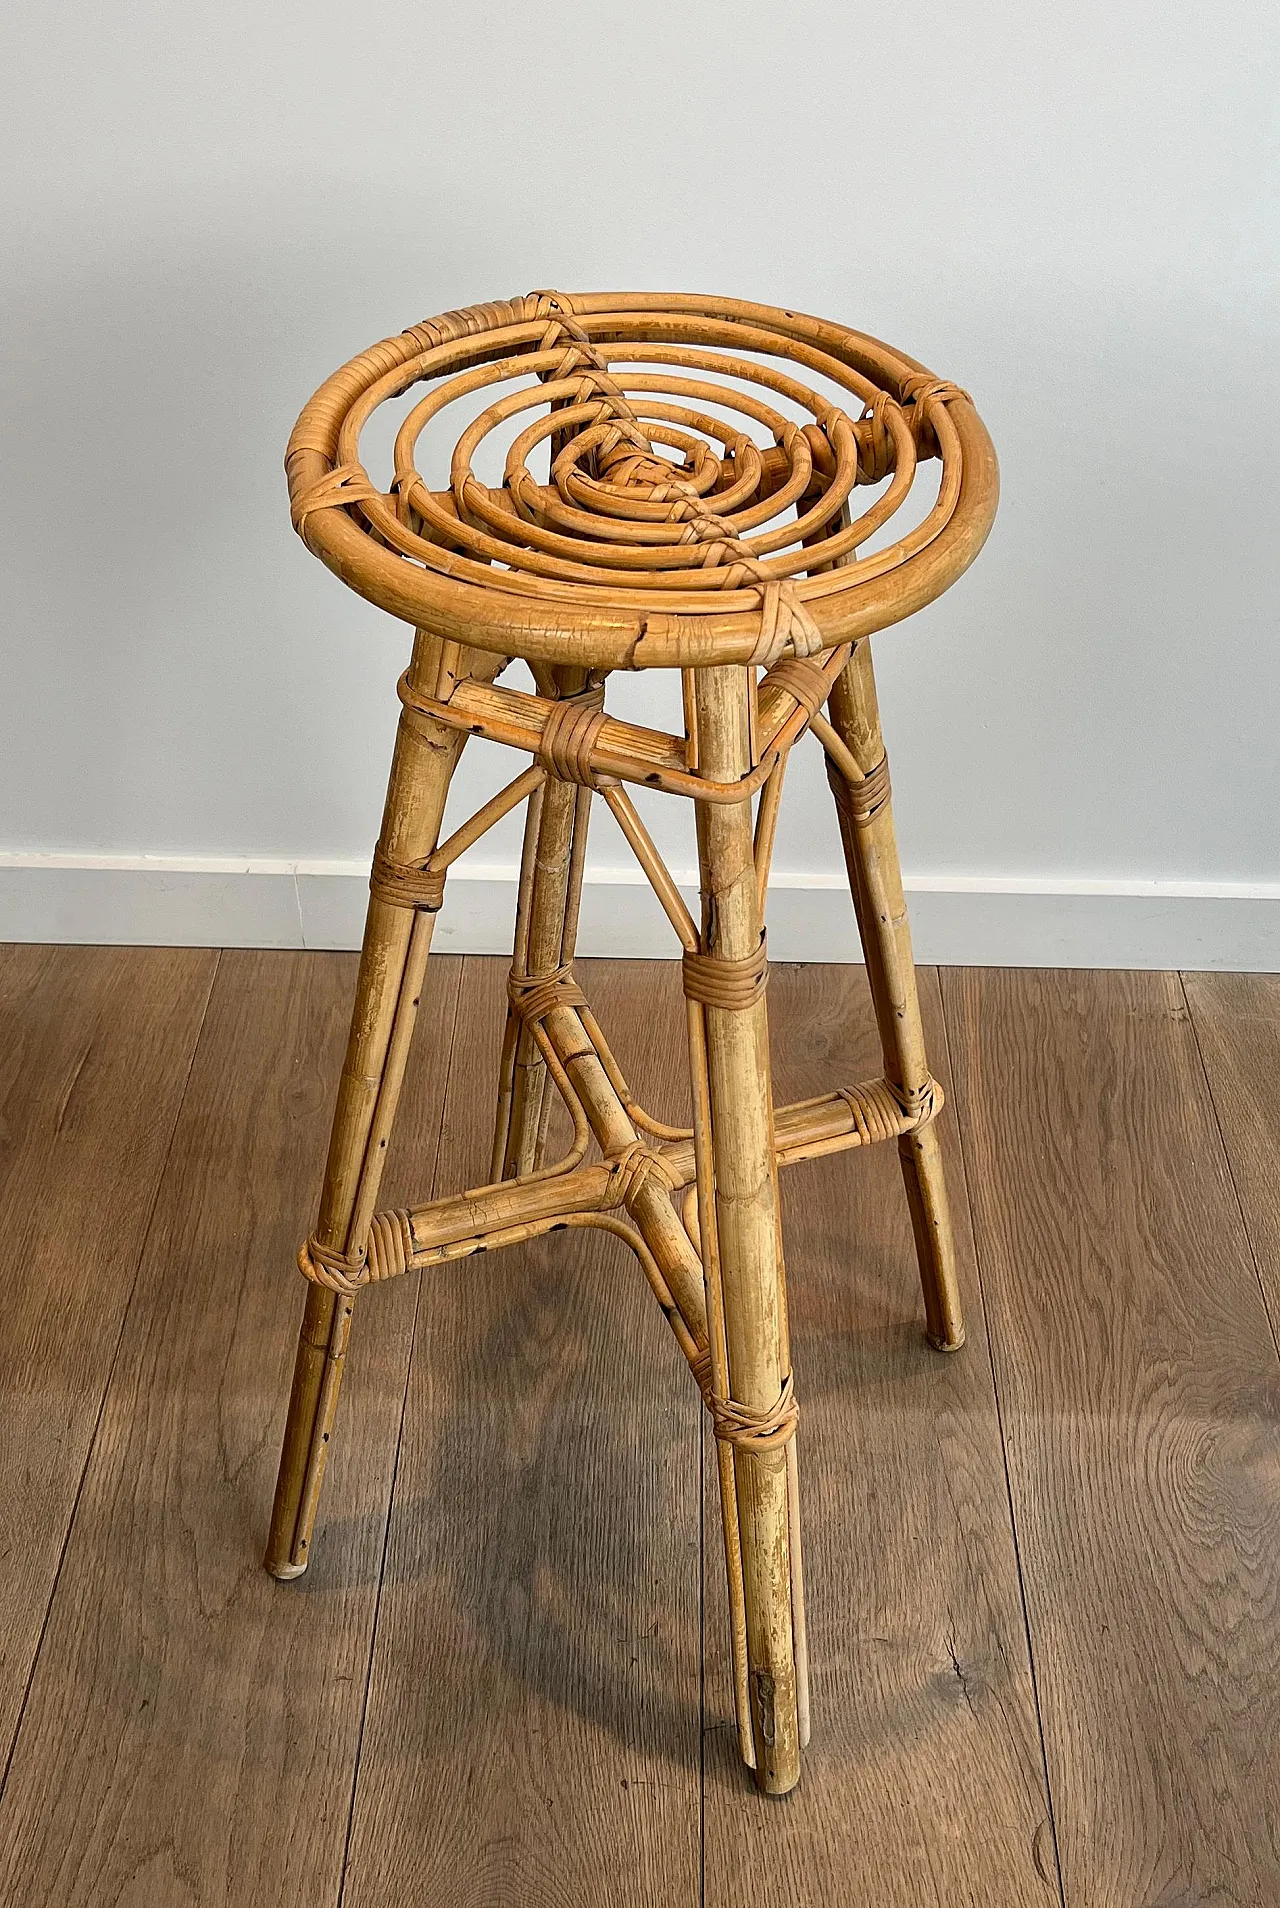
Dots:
pixel 532 1733
pixel 95 1047
pixel 1139 1388
pixel 924 1779
pixel 1237 1023
pixel 191 1731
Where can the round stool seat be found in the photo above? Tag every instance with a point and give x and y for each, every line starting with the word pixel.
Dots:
pixel 695 449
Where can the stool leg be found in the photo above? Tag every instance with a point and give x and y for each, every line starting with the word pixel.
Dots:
pixel 546 932
pixel 871 855
pixel 746 1241
pixel 393 965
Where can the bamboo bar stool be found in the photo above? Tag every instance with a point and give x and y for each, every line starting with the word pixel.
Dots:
pixel 687 521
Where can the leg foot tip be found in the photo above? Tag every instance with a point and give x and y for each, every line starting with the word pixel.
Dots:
pixel 776 1786
pixel 953 1344
pixel 283 1572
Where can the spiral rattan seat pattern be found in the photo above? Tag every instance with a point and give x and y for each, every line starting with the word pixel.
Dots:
pixel 667 533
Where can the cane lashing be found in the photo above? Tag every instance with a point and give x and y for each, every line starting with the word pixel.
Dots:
pixel 732 985
pixel 343 1272
pixel 863 800
pixel 802 679
pixel 632 1170
pixel 534 996
pixel 386 1256
pixel 756 1430
pixel 672 456
pixel 572 730
pixel 406 884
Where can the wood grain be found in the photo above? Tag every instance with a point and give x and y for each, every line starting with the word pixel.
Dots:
pixel 95 1046
pixel 923 1781
pixel 1139 1389
pixel 1237 1023
pixel 191 1730
pixel 532 1733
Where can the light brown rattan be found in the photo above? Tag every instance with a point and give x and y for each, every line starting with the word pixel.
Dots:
pixel 645 546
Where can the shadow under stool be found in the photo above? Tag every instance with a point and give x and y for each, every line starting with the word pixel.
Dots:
pixel 686 520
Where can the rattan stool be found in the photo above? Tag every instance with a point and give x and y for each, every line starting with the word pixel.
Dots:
pixel 688 521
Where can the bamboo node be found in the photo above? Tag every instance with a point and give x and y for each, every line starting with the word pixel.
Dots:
pixel 731 985
pixel 406 884
pixel 749 1429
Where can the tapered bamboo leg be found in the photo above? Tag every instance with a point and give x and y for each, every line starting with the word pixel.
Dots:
pixel 392 968
pixel 744 1258
pixel 546 932
pixel 871 855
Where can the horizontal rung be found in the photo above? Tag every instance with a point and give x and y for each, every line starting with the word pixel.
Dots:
pixel 516 1209
pixel 623 751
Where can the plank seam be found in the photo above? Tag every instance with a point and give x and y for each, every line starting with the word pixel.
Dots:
pixel 395 1464
pixel 1227 1161
pixel 988 1330
pixel 143 1241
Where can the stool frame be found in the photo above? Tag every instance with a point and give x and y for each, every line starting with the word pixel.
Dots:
pixel 698 1207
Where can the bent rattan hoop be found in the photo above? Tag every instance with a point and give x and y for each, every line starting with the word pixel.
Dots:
pixel 626 558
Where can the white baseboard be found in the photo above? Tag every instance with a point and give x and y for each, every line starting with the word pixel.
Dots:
pixel 957 920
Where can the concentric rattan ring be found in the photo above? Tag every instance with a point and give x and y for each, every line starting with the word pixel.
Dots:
pixel 688 456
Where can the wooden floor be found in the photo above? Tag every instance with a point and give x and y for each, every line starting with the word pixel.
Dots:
pixel 1044 1575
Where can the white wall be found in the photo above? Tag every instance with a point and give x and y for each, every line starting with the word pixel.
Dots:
pixel 1071 211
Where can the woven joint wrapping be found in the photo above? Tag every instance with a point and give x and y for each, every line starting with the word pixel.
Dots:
pixel 341 1272
pixel 922 393
pixel 569 738
pixel 748 1429
pixel 534 996
pixel 801 679
pixel 862 801
pixel 783 619
pixel 731 985
pixel 387 1256
pixel 876 451
pixel 919 1104
pixel 633 1168
pixel 390 1245
pixel 406 884
pixel 344 484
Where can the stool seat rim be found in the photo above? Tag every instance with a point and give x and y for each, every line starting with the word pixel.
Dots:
pixel 584 622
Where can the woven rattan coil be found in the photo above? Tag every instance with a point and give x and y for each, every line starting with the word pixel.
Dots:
pixel 690 445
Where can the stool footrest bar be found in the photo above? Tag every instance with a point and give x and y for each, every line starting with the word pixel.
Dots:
pixel 515 1209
